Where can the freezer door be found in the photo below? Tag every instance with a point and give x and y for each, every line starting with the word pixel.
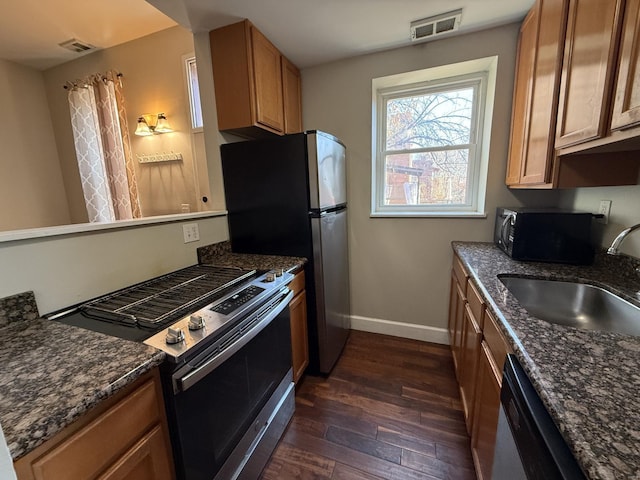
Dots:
pixel 327 171
pixel 331 271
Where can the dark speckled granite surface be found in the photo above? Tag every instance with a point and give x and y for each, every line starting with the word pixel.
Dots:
pixel 53 373
pixel 588 380
pixel 220 254
pixel 17 308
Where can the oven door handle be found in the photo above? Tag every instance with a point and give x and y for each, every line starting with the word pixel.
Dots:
pixel 184 382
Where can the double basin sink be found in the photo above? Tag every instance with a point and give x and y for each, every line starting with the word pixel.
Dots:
pixel 574 304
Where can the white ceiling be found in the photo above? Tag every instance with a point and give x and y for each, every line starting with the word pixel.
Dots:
pixel 30 30
pixel 308 32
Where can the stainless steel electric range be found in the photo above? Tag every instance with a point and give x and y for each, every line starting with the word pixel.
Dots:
pixel 227 379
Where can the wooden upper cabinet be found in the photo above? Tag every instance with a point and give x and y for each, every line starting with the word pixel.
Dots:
pixel 522 96
pixel 626 106
pixel 588 70
pixel 292 93
pixel 252 99
pixel 267 77
pixel 539 64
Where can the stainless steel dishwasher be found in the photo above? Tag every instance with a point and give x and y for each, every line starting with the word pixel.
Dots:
pixel 528 444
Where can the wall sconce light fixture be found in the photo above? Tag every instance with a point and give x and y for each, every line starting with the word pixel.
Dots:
pixel 152 124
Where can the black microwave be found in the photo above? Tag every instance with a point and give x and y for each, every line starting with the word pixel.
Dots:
pixel 545 235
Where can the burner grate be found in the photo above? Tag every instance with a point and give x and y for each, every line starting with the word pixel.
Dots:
pixel 166 298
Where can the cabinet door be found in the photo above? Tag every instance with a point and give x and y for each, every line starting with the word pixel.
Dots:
pixel 292 96
pixel 299 336
pixel 456 346
pixel 522 97
pixel 626 107
pixel 587 71
pixel 146 460
pixel 472 338
pixel 453 303
pixel 539 155
pixel 485 416
pixel 267 73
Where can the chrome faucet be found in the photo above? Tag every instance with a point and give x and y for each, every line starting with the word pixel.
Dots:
pixel 615 245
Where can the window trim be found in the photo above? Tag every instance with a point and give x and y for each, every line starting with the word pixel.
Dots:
pixel 480 72
pixel 193 95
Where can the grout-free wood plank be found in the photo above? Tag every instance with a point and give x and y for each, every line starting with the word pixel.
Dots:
pixel 389 410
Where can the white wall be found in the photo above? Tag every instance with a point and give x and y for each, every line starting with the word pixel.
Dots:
pixel 625 211
pixel 32 192
pixel 400 266
pixel 68 269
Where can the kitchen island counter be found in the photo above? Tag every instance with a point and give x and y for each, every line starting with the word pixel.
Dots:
pixel 53 373
pixel 588 380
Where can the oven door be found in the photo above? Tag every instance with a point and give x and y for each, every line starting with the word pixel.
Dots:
pixel 225 406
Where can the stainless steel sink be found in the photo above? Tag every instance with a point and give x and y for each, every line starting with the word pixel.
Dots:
pixel 575 304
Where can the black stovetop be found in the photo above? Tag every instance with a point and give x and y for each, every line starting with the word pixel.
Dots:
pixel 137 312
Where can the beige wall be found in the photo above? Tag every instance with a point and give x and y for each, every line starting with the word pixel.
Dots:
pixel 400 266
pixel 68 269
pixel 154 82
pixel 625 211
pixel 64 270
pixel 31 189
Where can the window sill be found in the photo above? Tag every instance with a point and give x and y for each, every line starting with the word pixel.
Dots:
pixel 428 215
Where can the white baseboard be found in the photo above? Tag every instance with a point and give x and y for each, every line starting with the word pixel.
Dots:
pixel 400 329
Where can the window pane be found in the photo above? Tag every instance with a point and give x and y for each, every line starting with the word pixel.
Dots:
pixel 194 94
pixel 430 178
pixel 430 120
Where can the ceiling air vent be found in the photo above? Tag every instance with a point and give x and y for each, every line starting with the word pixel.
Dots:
pixel 77 46
pixel 431 27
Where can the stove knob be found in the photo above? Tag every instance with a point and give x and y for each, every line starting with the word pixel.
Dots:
pixel 174 335
pixel 270 277
pixel 196 322
pixel 279 272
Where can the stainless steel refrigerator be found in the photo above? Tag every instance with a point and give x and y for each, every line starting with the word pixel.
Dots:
pixel 287 196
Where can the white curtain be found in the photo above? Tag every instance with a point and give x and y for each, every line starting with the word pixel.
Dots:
pixel 102 147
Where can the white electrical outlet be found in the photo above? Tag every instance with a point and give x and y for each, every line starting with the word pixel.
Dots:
pixel 605 209
pixel 191 232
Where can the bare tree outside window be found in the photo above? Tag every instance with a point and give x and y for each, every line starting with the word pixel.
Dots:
pixel 427 146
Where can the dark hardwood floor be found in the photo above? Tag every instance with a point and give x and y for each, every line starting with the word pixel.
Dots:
pixel 389 410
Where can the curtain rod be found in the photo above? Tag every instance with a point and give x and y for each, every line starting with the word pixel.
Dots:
pixel 69 85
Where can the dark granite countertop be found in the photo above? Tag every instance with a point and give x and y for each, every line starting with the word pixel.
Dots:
pixel 220 254
pixel 588 380
pixel 53 373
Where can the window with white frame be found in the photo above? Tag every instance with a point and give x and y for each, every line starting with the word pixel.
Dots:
pixel 431 140
pixel 194 93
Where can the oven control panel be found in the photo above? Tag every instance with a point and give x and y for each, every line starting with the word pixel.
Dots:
pixel 236 301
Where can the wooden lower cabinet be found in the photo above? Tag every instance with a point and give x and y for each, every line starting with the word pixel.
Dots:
pixel 487 405
pixel 457 302
pixel 124 438
pixel 471 340
pixel 479 350
pixel 299 334
pixel 142 462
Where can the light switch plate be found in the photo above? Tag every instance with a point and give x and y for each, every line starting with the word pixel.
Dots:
pixel 605 209
pixel 191 232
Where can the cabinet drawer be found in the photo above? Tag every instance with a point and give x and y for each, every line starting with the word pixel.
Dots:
pixel 297 284
pixel 476 304
pixel 460 274
pixel 495 341
pixel 91 449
